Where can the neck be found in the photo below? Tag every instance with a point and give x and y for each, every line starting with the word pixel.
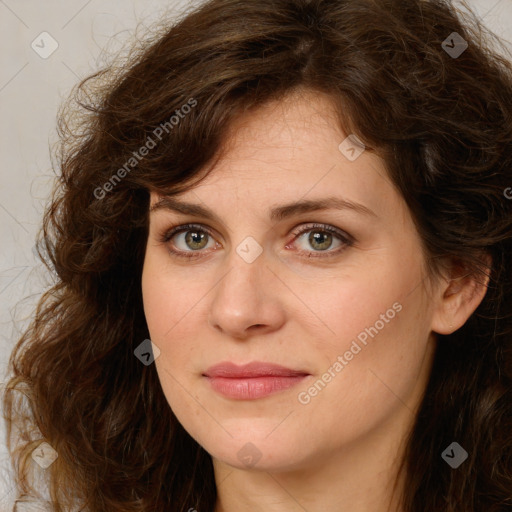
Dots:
pixel 356 479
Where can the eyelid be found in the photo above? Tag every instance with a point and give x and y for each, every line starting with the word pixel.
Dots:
pixel 169 233
pixel 346 239
pixel 310 226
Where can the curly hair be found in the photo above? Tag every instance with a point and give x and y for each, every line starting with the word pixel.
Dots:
pixel 441 120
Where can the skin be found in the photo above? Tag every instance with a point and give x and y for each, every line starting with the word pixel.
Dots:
pixel 339 451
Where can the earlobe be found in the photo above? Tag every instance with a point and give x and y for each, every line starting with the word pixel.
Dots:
pixel 458 297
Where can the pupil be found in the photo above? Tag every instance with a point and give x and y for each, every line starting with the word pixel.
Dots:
pixel 193 237
pixel 321 238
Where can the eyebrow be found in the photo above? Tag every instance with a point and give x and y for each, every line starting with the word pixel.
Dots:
pixel 277 213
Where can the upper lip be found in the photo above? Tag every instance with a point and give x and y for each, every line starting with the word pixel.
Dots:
pixel 253 369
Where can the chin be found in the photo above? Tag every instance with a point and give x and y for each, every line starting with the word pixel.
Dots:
pixel 259 455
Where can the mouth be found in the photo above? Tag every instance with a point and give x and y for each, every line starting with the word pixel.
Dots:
pixel 252 381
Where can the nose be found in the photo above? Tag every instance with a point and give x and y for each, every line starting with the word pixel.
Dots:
pixel 246 300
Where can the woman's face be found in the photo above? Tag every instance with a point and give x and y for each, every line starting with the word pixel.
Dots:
pixel 335 295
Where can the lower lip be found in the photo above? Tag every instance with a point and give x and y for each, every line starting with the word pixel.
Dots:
pixel 254 387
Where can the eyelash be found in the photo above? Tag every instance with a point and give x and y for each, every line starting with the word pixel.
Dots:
pixel 346 240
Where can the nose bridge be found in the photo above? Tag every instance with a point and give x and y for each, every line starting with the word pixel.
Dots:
pixel 244 296
pixel 247 264
pixel 244 280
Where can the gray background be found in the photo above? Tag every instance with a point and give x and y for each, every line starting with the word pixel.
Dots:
pixel 31 90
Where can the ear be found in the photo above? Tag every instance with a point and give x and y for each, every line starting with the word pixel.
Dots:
pixel 457 296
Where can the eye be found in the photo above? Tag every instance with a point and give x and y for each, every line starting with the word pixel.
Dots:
pixel 321 238
pixel 189 238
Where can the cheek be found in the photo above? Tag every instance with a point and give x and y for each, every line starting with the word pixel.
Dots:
pixel 331 314
pixel 172 306
pixel 378 328
pixel 378 324
pixel 167 298
pixel 167 304
pixel 364 303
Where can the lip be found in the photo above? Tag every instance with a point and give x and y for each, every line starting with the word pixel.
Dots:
pixel 251 370
pixel 253 380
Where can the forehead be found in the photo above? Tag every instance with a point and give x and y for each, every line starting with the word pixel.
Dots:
pixel 288 150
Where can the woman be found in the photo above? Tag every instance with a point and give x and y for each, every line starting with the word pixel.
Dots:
pixel 282 244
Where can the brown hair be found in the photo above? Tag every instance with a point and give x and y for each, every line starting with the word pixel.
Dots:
pixel 443 124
